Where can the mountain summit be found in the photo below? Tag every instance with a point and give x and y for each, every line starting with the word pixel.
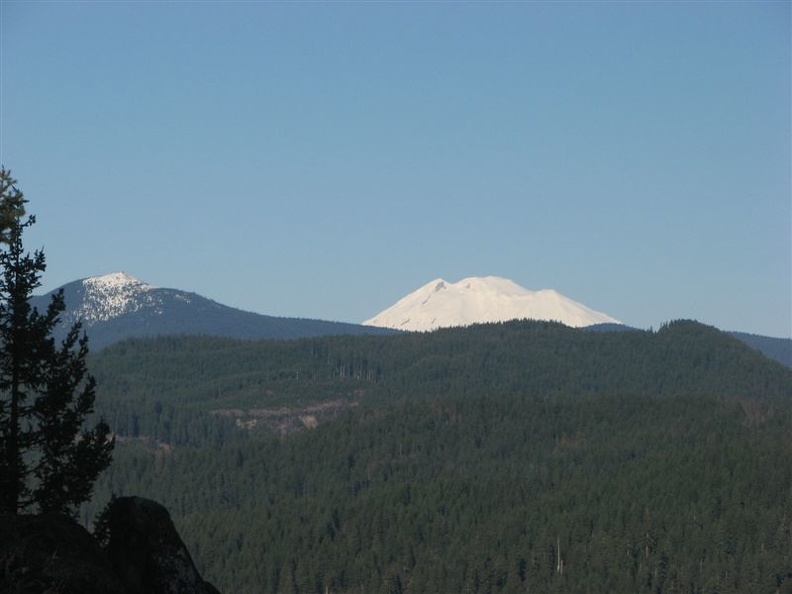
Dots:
pixel 440 304
pixel 111 295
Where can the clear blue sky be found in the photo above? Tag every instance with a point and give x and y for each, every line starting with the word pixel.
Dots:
pixel 322 159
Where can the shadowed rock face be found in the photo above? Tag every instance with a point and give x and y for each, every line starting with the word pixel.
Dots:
pixel 147 552
pixel 53 554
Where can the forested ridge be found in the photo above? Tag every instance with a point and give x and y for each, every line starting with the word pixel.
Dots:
pixel 500 458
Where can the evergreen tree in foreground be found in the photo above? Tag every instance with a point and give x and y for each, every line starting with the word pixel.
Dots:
pixel 48 460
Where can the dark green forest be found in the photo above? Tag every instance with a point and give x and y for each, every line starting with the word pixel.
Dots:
pixel 515 457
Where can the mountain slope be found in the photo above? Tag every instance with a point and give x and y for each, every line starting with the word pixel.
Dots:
pixel 440 304
pixel 778 349
pixel 117 306
pixel 187 375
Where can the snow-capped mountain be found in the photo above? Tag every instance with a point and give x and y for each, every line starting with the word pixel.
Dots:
pixel 440 304
pixel 103 298
pixel 116 306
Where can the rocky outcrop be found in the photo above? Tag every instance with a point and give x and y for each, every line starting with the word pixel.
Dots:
pixel 53 554
pixel 147 552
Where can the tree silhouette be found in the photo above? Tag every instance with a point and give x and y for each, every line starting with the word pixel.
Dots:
pixel 12 205
pixel 49 460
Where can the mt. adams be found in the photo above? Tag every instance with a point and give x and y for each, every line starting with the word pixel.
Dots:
pixel 440 304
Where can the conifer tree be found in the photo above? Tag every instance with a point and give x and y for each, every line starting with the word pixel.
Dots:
pixel 48 460
pixel 12 205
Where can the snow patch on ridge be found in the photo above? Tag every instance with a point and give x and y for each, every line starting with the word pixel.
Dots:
pixel 112 295
pixel 440 304
pixel 115 281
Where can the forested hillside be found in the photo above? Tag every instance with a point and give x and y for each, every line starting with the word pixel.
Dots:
pixel 500 458
pixel 157 387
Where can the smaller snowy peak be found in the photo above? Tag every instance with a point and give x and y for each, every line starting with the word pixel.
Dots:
pixel 116 281
pixel 473 300
pixel 111 295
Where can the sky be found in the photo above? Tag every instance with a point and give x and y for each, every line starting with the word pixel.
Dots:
pixel 323 159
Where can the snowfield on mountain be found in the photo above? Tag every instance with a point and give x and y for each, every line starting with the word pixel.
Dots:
pixel 476 300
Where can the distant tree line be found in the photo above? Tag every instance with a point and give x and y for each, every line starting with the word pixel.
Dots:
pixel 164 387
